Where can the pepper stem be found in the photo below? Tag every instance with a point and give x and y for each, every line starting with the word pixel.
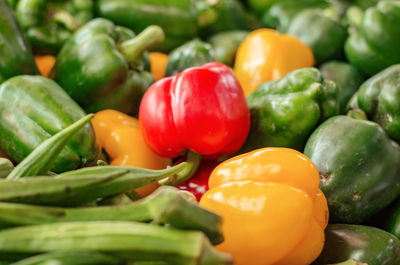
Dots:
pixel 66 19
pixel 193 160
pixel 354 15
pixel 133 48
pixel 357 114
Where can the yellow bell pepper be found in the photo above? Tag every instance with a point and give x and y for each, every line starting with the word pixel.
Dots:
pixel 120 136
pixel 273 211
pixel 266 55
pixel 158 64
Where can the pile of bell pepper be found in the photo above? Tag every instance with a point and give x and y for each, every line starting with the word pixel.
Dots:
pixel 276 121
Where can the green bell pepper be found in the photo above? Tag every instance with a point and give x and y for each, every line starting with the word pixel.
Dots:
pixel 347 78
pixel 16 57
pixel 374 39
pixel 281 14
pixel 227 15
pixel 225 45
pixel 318 24
pixel 33 108
pixel 192 53
pixel 323 33
pixel 379 97
pixel 105 66
pixel 363 243
pixel 358 165
pixel 285 112
pixel 180 19
pixel 48 24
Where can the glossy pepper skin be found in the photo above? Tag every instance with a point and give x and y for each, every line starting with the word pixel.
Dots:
pixel 202 109
pixel 192 53
pixel 346 77
pixel 358 165
pixel 178 18
pixel 48 24
pixel 16 57
pixel 121 137
pixel 103 66
pixel 379 98
pixel 364 243
pixel 266 55
pixel 225 45
pixel 198 183
pixel 33 108
pixel 375 37
pixel 273 210
pixel 286 111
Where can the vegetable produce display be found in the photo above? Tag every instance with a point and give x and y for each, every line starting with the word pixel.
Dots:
pixel 200 132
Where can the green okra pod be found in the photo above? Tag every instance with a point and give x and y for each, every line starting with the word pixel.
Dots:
pixel 167 205
pixel 42 158
pixel 129 241
pixel 80 186
pixel 6 166
pixel 49 190
pixel 70 258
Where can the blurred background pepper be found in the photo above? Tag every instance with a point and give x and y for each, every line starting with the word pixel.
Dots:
pixel 16 55
pixel 48 24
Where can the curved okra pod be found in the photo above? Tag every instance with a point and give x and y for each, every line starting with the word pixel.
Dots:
pixel 167 205
pixel 129 241
pixel 42 158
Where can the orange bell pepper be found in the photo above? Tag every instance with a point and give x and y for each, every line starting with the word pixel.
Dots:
pixel 45 63
pixel 266 55
pixel 120 136
pixel 273 211
pixel 158 64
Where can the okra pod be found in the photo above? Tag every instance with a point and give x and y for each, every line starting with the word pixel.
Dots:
pixel 6 166
pixel 70 258
pixel 164 206
pixel 42 158
pixel 129 241
pixel 135 178
pixel 50 190
pixel 81 186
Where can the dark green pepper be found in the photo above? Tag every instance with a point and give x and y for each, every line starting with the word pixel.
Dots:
pixel 347 78
pixel 379 97
pixel 16 57
pixel 225 45
pixel 282 13
pixel 374 39
pixel 363 243
pixel 32 108
pixel 286 111
pixel 192 53
pixel 359 166
pixel 323 33
pixel 49 23
pixel 105 66
pixel 180 19
pixel 227 15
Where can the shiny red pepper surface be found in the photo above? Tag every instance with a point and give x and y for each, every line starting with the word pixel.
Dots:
pixel 202 109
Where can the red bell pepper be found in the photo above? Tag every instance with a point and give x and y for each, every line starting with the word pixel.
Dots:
pixel 198 183
pixel 202 109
